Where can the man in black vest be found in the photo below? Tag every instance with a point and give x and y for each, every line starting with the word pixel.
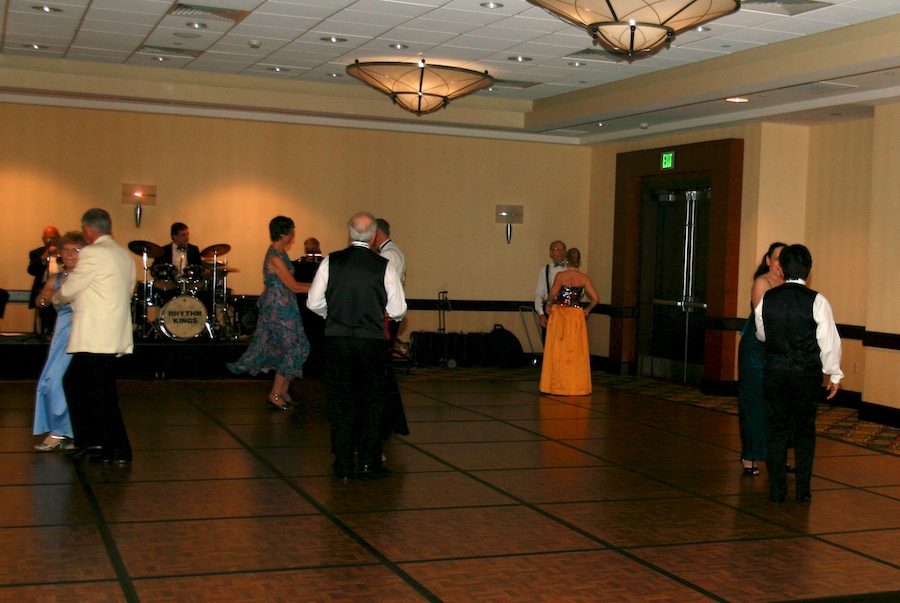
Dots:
pixel 353 289
pixel 802 343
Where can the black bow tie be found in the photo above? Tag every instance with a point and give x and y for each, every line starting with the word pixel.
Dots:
pixel 182 248
pixel 559 264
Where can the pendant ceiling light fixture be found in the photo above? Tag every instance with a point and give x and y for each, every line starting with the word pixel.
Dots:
pixel 417 87
pixel 637 27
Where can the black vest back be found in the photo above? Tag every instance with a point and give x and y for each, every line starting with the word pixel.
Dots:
pixel 790 328
pixel 355 294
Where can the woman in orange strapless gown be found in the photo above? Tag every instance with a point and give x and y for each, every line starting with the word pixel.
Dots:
pixel 567 361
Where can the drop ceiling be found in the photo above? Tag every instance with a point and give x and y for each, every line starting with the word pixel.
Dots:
pixel 550 76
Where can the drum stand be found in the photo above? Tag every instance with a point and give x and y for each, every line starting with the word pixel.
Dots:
pixel 224 328
pixel 145 328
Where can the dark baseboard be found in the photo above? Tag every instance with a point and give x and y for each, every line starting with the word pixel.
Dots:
pixel 718 388
pixel 876 413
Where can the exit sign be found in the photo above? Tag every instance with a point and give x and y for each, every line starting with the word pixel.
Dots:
pixel 667 160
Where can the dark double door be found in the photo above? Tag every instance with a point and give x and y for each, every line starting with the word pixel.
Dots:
pixel 673 279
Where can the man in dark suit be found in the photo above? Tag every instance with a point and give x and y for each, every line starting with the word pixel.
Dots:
pixel 802 343
pixel 305 270
pixel 180 253
pixel 353 289
pixel 42 263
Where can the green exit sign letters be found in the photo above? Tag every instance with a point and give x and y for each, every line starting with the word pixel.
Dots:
pixel 667 160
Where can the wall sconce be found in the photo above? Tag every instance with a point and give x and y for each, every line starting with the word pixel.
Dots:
pixel 138 195
pixel 509 215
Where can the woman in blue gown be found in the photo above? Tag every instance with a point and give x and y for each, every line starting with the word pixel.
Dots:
pixel 751 413
pixel 279 343
pixel 51 410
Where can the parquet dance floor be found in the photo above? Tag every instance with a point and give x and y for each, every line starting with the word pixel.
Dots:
pixel 498 494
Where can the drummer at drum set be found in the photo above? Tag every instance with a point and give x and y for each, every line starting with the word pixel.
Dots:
pixel 187 294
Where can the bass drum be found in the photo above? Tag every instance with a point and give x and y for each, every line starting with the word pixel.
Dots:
pixel 183 318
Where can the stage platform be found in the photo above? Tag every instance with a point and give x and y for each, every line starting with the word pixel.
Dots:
pixel 22 357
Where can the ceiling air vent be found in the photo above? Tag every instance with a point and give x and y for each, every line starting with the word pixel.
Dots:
pixel 514 84
pixel 783 7
pixel 594 54
pixel 822 87
pixel 171 52
pixel 196 11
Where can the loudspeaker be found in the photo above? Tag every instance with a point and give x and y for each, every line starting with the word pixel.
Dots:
pixel 247 314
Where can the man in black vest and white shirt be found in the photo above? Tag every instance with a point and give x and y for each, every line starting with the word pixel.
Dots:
pixel 545 281
pixel 353 289
pixel 802 343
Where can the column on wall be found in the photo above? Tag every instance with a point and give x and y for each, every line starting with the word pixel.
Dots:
pixel 882 375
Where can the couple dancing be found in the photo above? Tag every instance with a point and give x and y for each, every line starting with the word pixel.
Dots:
pixel 567 364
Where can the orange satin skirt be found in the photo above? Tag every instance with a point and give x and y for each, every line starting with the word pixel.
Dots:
pixel 567 362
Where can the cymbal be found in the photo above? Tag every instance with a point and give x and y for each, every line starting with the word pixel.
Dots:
pixel 220 268
pixel 210 264
pixel 212 250
pixel 152 249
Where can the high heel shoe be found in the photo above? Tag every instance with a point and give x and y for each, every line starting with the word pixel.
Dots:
pixel 273 401
pixel 52 442
pixel 750 469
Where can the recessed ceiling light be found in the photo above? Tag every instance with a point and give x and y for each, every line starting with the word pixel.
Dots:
pixel 576 64
pixel 737 99
pixel 490 5
pixel 520 59
pixel 160 59
pixel 399 46
pixel 35 46
pixel 336 75
pixel 703 28
pixel 186 34
pixel 46 9
pixel 600 124
pixel 333 39
pixel 278 69
pixel 196 25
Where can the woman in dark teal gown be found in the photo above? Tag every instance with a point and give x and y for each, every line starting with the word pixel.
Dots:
pixel 751 413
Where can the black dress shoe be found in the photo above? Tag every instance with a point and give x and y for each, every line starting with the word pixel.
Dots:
pixel 373 472
pixel 343 472
pixel 79 452
pixel 113 459
pixel 804 498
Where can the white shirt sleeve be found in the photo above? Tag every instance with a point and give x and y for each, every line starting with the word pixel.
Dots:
pixel 315 300
pixel 758 319
pixel 828 339
pixel 540 292
pixel 396 298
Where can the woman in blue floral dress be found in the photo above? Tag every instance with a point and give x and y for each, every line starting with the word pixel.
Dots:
pixel 279 343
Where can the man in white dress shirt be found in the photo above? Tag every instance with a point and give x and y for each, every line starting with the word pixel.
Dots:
pixel 545 281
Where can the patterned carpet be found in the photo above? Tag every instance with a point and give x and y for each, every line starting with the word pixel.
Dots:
pixel 832 421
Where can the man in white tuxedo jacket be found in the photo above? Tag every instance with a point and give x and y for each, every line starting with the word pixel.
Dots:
pixel 99 289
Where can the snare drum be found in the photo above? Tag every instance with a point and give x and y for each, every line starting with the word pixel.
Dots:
pixel 191 281
pixel 163 277
pixel 183 318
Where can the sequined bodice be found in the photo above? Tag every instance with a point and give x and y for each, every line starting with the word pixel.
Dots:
pixel 570 297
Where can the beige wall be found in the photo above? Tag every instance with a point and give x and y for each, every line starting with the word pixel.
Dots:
pixel 226 179
pixel 834 187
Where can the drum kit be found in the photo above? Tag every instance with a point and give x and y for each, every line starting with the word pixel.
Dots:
pixel 186 306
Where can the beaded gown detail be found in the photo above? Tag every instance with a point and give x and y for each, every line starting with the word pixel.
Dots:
pixel 567 364
pixel 279 343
